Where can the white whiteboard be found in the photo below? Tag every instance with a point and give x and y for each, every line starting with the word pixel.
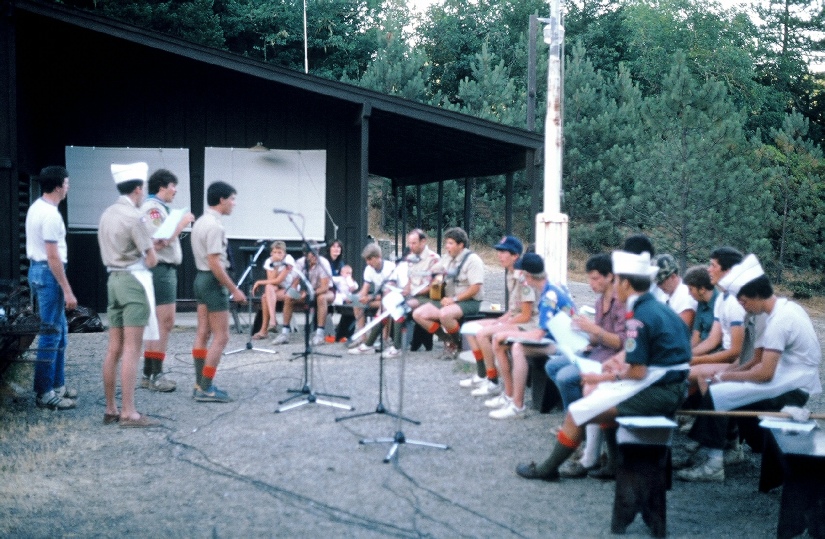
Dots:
pixel 92 189
pixel 294 180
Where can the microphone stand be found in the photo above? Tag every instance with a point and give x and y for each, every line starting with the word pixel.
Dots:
pixel 380 408
pixel 252 262
pixel 400 438
pixel 306 391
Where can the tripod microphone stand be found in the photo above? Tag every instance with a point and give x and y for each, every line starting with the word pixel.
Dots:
pixel 247 273
pixel 306 391
pixel 400 438
pixel 390 303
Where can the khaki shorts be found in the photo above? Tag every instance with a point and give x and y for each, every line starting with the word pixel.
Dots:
pixel 658 399
pixel 165 279
pixel 210 292
pixel 128 305
pixel 468 307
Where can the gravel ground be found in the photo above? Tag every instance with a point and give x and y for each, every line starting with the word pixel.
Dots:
pixel 240 470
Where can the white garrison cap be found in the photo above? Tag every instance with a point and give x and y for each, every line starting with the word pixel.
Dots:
pixel 741 274
pixel 132 171
pixel 625 263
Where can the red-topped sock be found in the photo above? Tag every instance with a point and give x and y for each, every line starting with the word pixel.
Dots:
pixel 207 376
pixel 199 357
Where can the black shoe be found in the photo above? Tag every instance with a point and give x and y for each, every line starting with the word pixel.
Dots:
pixel 605 473
pixel 529 471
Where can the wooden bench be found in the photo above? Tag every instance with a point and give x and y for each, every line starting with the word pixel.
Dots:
pixel 643 473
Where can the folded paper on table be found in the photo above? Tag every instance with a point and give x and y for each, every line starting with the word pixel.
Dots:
pixel 645 421
pixel 167 229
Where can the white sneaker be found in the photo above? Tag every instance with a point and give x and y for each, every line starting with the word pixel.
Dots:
pixel 392 351
pixel 317 340
pixel 282 338
pixel 704 473
pixel 735 455
pixel 361 349
pixel 498 401
pixel 471 382
pixel 486 389
pixel 511 411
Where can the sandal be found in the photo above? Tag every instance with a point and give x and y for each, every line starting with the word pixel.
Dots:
pixel 139 423
pixel 259 336
pixel 108 419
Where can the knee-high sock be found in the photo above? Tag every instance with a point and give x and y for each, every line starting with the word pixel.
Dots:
pixel 562 450
pixel 593 446
pixel 199 358
pixel 611 445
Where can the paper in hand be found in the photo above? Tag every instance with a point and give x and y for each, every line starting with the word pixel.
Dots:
pixel 167 229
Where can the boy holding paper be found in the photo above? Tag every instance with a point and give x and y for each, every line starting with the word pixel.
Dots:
pixel 163 186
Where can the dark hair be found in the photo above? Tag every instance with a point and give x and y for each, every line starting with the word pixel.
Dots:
pixel 639 283
pixel 601 263
pixel 699 277
pixel 759 288
pixel 218 190
pixel 127 187
pixel 160 179
pixel 458 235
pixel 726 257
pixel 418 232
pixel 51 178
pixel 638 244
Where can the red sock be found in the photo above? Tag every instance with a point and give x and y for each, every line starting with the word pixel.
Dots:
pixel 566 441
pixel 433 328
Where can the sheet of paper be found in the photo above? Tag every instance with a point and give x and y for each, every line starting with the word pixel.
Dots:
pixel 568 340
pixel 167 229
pixel 787 424
pixel 645 421
pixel 587 365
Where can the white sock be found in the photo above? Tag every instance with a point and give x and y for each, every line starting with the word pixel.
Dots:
pixel 285 330
pixel 593 446
pixel 715 457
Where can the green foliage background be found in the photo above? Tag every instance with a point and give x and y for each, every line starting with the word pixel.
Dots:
pixel 684 120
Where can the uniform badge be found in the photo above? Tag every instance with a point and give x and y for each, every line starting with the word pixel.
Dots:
pixel 629 344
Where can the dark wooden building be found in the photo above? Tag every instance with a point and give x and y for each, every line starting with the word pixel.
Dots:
pixel 68 77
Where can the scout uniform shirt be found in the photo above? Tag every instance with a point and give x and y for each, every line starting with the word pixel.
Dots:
pixel 518 292
pixel 122 235
pixel 156 212
pixel 420 271
pixel 209 238
pixel 472 272
pixel 656 336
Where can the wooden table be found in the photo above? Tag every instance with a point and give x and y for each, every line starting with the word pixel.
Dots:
pixel 796 461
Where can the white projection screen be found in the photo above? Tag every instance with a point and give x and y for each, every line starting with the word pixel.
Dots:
pixel 292 180
pixel 92 189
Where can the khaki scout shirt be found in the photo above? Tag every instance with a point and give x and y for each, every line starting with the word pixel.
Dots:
pixel 122 235
pixel 420 272
pixel 472 272
pixel 209 238
pixel 156 212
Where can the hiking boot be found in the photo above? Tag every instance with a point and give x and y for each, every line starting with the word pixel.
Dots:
pixel 704 473
pixel 486 389
pixel 529 471
pixel 475 381
pixel 158 382
pixel 52 401
pixel 213 394
pixel 510 411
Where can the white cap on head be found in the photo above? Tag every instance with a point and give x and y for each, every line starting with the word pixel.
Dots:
pixel 625 263
pixel 132 171
pixel 741 274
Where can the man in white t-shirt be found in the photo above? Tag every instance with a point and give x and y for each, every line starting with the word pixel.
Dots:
pixel 378 274
pixel 671 291
pixel 47 252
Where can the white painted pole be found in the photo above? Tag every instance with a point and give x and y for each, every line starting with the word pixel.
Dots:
pixel 551 225
pixel 306 48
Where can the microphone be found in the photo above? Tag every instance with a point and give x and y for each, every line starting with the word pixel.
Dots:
pixel 263 241
pixel 287 212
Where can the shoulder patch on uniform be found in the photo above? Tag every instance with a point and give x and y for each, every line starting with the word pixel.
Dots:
pixel 629 344
pixel 154 214
pixel 632 327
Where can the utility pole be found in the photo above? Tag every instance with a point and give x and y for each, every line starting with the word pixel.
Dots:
pixel 551 224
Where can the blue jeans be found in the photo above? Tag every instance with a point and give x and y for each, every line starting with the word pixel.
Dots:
pixel 567 378
pixel 51 347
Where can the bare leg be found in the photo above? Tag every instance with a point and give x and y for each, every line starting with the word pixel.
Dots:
pixel 219 326
pixel 113 354
pixel 132 343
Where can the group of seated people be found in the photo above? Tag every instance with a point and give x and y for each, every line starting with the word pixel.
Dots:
pixel 716 339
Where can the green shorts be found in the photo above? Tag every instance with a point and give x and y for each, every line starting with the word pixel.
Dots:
pixel 468 307
pixel 658 399
pixel 128 305
pixel 165 279
pixel 210 292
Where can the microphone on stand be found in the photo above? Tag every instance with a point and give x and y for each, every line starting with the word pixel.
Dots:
pixel 287 212
pixel 263 241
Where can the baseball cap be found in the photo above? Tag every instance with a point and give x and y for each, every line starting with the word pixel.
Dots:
pixel 667 267
pixel 531 263
pixel 510 243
